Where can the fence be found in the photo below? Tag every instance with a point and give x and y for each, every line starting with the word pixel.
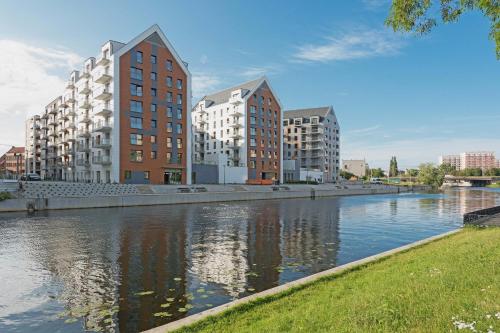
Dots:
pixel 472 217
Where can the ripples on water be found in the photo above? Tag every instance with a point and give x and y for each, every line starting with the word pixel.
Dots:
pixel 130 269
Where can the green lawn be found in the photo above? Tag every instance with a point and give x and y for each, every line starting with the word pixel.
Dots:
pixel 435 288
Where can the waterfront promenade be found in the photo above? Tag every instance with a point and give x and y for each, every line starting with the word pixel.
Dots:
pixel 60 195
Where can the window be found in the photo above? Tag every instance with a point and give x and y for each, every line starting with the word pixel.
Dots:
pixel 135 73
pixel 252 142
pixel 169 142
pixel 179 143
pixel 153 91
pixel 146 175
pixel 252 164
pixel 153 107
pixel 135 90
pixel 169 157
pixel 153 76
pixel 135 122
pixel 169 97
pixel 136 156
pixel 169 127
pixel 136 106
pixel 153 154
pixel 252 120
pixel 252 131
pixel 153 138
pixel 179 84
pixel 252 109
pixel 153 123
pixel 136 139
pixel 169 65
pixel 179 158
pixel 179 99
pixel 153 59
pixel 138 57
pixel 169 111
pixel 128 174
pixel 169 81
pixel 179 114
pixel 179 128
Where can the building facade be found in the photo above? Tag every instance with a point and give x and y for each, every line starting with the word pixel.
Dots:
pixel 483 160
pixel 356 167
pixel 123 118
pixel 12 163
pixel 243 123
pixel 312 137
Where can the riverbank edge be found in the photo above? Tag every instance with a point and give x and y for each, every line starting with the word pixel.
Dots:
pixel 175 325
pixel 57 203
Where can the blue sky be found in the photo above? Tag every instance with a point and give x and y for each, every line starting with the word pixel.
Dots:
pixel 413 97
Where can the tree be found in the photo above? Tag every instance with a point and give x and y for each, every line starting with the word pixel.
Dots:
pixel 448 169
pixel 377 173
pixel 414 15
pixel 393 167
pixel 430 175
pixel 492 172
pixel 471 172
pixel 412 172
pixel 346 174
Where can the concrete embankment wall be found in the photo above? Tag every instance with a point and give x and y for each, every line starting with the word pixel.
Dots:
pixel 26 204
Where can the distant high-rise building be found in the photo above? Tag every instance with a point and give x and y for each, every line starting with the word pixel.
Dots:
pixel 483 160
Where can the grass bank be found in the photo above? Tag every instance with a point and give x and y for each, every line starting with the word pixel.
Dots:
pixel 494 185
pixel 440 287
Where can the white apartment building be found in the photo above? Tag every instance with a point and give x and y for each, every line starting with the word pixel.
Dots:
pixel 453 160
pixel 312 137
pixel 243 123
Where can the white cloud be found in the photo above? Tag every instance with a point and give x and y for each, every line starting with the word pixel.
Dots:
pixel 204 83
pixel 257 71
pixel 376 4
pixel 356 44
pixel 30 77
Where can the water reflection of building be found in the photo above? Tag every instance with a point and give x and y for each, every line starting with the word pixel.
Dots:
pixel 152 258
pixel 464 200
pixel 310 233
pixel 217 245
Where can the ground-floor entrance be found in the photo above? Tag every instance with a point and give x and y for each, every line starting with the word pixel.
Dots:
pixel 172 176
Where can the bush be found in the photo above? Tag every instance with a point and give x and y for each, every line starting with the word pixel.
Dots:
pixel 5 196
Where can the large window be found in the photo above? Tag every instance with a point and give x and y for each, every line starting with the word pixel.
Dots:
pixel 136 106
pixel 169 97
pixel 153 91
pixel 153 59
pixel 153 107
pixel 135 90
pixel 153 76
pixel 153 139
pixel 136 156
pixel 179 114
pixel 153 123
pixel 169 111
pixel 179 128
pixel 136 139
pixel 179 99
pixel 170 66
pixel 138 57
pixel 252 109
pixel 169 127
pixel 169 142
pixel 169 81
pixel 153 154
pixel 135 73
pixel 136 122
pixel 179 84
pixel 179 143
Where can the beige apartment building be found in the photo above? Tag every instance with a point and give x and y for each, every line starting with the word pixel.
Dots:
pixel 356 167
pixel 312 136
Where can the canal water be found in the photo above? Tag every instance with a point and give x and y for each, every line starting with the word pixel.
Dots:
pixel 130 269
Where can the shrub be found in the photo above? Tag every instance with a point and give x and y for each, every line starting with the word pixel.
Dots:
pixel 5 196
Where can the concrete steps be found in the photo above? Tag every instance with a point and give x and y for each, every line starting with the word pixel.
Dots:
pixel 64 189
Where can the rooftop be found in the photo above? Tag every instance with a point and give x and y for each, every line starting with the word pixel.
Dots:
pixel 224 95
pixel 310 112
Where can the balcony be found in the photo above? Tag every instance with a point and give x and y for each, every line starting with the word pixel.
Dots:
pixel 70 99
pixel 103 61
pixel 102 144
pixel 85 105
pixel 68 164
pixel 101 160
pixel 85 120
pixel 45 116
pixel 233 145
pixel 235 124
pixel 199 148
pixel 202 112
pixel 83 163
pixel 85 90
pixel 83 133
pixel 85 75
pixel 235 135
pixel 102 110
pixel 82 148
pixel 70 113
pixel 67 152
pixel 53 111
pixel 70 85
pixel 102 126
pixel 103 77
pixel 235 100
pixel 202 122
pixel 102 94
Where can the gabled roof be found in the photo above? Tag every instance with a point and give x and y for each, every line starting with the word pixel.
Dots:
pixel 155 35
pixel 16 150
pixel 224 95
pixel 310 112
